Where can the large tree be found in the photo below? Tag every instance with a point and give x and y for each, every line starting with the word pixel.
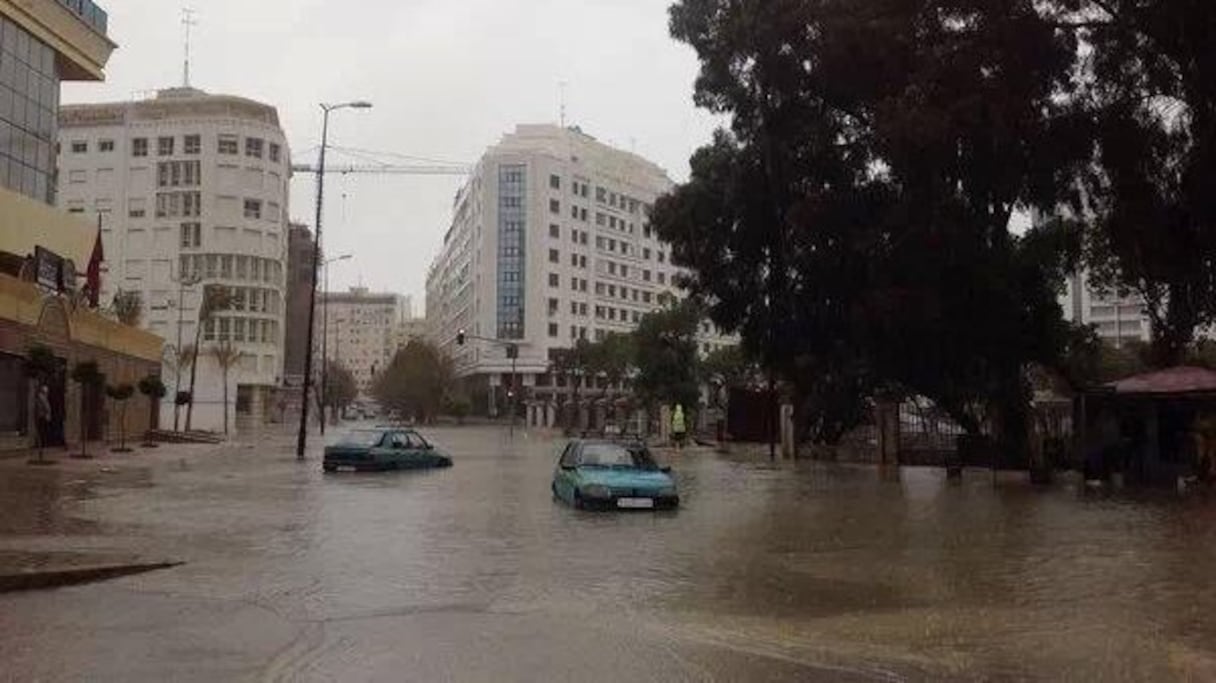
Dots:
pixel 341 389
pixel 668 368
pixel 416 382
pixel 1152 75
pixel 854 222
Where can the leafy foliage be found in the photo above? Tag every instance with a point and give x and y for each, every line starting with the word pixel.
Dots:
pixel 668 368
pixel 1154 110
pixel 341 389
pixel 416 381
pixel 853 223
pixel 128 307
pixel 153 387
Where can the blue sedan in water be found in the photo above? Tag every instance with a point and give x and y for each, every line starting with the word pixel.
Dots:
pixel 610 475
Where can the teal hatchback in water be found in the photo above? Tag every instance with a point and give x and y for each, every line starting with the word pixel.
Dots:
pixel 609 475
pixel 383 448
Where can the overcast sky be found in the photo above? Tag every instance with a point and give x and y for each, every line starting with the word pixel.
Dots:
pixel 447 77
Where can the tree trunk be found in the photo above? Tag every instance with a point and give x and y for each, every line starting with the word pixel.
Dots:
pixel 225 400
pixel 193 374
pixel 122 425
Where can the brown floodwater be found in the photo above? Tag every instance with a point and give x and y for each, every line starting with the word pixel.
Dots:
pixel 800 571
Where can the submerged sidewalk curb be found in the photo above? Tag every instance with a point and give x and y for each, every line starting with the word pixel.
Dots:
pixel 57 578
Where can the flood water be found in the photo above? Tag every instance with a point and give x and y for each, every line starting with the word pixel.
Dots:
pixel 767 572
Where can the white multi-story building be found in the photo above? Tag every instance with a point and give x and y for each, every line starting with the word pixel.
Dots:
pixel 187 186
pixel 550 243
pixel 363 332
pixel 1117 319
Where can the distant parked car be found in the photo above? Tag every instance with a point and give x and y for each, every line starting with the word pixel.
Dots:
pixel 383 448
pixel 602 474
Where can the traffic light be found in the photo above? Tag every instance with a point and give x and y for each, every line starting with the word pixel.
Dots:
pixel 460 337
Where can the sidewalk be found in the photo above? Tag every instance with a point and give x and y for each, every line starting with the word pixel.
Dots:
pixel 48 535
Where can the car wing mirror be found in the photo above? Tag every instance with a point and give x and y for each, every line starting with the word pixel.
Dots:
pixel 567 466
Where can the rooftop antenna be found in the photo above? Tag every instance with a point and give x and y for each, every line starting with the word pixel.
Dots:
pixel 189 22
pixel 561 88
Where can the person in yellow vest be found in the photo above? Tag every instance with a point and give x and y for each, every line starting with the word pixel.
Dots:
pixel 678 429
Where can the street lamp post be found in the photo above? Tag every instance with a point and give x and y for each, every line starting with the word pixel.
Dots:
pixel 325 340
pixel 302 437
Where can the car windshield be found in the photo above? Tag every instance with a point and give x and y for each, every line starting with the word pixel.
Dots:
pixel 360 437
pixel 616 455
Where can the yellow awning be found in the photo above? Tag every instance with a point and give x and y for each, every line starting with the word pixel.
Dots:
pixel 26 223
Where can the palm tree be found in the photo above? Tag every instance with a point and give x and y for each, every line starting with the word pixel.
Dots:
pixel 88 375
pixel 152 387
pixel 128 307
pixel 226 355
pixel 215 298
pixel 121 393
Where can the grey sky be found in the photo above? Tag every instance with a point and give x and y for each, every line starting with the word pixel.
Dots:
pixel 447 78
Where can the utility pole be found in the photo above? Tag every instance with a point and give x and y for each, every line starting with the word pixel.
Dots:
pixel 302 436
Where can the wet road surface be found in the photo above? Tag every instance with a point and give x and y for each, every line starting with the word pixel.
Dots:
pixel 806 572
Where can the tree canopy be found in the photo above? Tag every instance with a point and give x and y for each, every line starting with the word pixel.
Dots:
pixel 416 382
pixel 853 223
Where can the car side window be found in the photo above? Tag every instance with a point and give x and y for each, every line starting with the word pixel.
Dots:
pixel 569 456
pixel 399 440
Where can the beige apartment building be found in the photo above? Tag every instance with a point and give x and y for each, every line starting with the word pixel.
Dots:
pixel 362 330
pixel 550 243
pixel 190 190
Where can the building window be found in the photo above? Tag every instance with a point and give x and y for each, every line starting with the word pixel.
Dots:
pixel 553 330
pixel 611 268
pixel 178 205
pixel 228 144
pixel 646 253
pixel 555 182
pixel 512 220
pixel 574 212
pixel 253 147
pixel 662 257
pixel 253 208
pixel 178 173
pixel 164 146
pixel 275 152
pixel 601 195
pixel 646 275
pixel 105 145
pixel 192 235
pixel 554 256
pixel 80 147
pixel 554 280
pixel 555 206
pixel 192 144
pixel 582 239
pixel 555 231
pixel 662 278
pixel 139 147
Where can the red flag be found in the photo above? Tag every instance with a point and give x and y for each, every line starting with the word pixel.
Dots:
pixel 93 274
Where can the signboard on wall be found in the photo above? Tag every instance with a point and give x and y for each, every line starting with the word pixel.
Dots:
pixel 48 267
pixel 53 272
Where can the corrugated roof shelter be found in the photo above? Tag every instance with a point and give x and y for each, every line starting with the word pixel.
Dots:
pixel 1171 381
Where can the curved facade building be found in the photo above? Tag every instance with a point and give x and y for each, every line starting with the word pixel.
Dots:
pixel 190 186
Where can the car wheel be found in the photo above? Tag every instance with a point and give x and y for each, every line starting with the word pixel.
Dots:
pixel 577 501
pixel 329 468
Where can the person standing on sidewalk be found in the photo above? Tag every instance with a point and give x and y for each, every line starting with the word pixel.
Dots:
pixel 678 428
pixel 42 417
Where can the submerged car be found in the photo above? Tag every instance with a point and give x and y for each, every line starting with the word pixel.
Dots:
pixel 383 448
pixel 597 474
